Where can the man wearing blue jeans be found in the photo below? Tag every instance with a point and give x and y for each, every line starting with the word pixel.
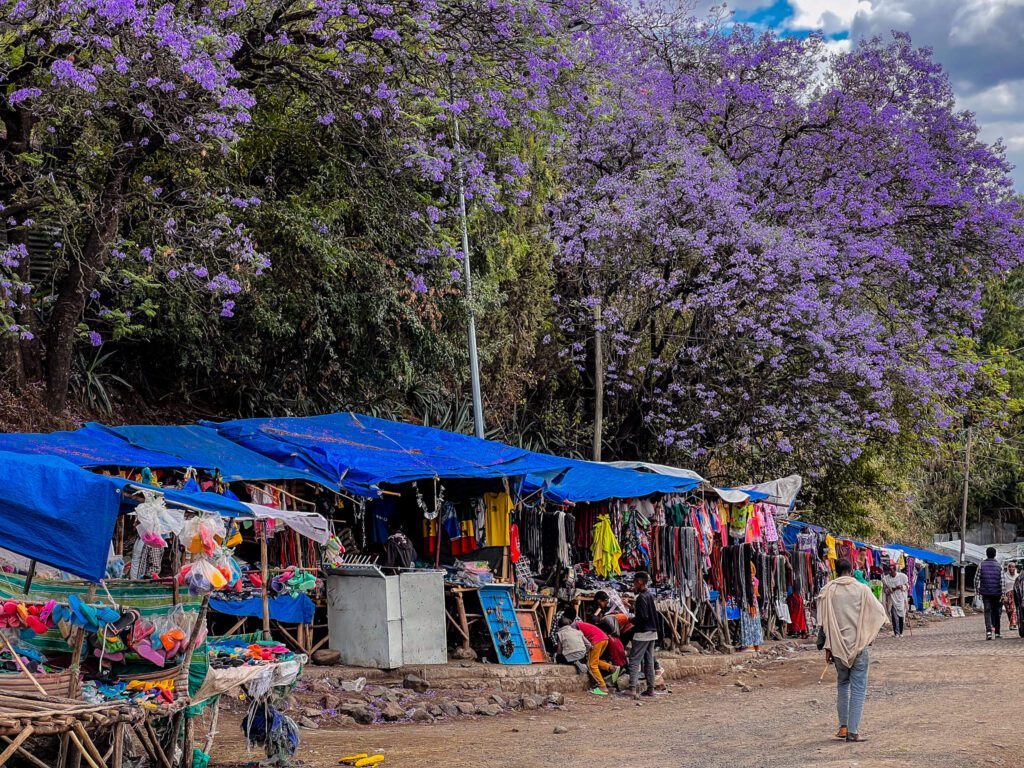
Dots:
pixel 849 618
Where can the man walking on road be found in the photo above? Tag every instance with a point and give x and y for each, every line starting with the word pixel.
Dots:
pixel 896 587
pixel 989 584
pixel 849 618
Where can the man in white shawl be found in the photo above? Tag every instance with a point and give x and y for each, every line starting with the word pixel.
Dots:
pixel 849 619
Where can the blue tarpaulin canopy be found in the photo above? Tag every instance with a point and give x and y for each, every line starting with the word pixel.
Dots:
pixel 90 446
pixel 196 445
pixel 57 513
pixel 923 554
pixel 591 481
pixel 362 452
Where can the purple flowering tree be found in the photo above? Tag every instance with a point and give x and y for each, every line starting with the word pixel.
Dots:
pixel 788 247
pixel 120 118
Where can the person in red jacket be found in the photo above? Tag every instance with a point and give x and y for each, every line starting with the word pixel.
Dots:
pixel 598 641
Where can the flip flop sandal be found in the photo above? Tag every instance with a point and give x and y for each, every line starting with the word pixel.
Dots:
pixel 107 616
pixel 47 611
pixel 36 625
pixel 10 608
pixel 125 621
pixel 150 654
pixel 256 580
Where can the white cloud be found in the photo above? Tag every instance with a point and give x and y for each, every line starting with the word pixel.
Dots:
pixel 829 15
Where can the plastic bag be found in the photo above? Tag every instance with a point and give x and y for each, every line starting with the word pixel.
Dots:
pixel 202 576
pixel 147 515
pixel 203 534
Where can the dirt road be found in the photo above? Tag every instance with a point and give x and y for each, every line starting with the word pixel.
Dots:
pixel 942 698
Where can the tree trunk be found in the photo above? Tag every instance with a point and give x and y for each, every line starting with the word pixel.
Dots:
pixel 78 282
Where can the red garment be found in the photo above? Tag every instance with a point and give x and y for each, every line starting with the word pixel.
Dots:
pixel 797 614
pixel 593 634
pixel 616 653
pixel 513 534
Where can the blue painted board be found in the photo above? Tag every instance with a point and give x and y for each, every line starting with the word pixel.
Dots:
pixel 503 624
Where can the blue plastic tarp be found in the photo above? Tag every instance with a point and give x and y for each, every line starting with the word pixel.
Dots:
pixel 923 554
pixel 57 513
pixel 361 453
pixel 202 446
pixel 288 609
pixel 587 481
pixel 90 447
pixel 792 527
pixel 202 501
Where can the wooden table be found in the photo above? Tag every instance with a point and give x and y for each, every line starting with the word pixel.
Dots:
pixel 461 621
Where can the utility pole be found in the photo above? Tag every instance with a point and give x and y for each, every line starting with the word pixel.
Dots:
pixel 963 520
pixel 598 382
pixel 474 360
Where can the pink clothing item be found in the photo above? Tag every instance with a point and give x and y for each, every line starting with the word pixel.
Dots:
pixel 771 532
pixel 593 634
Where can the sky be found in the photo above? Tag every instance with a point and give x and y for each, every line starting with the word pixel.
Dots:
pixel 980 43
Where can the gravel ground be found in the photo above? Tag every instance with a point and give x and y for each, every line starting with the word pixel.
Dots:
pixel 941 698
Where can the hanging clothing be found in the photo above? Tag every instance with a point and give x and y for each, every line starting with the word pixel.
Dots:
pixel 497 511
pixel 751 633
pixel 605 551
pixel 797 615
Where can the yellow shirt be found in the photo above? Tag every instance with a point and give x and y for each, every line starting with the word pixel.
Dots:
pixel 497 509
pixel 830 542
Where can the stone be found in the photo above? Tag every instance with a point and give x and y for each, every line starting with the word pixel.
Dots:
pixel 488 710
pixel 420 715
pixel 345 720
pixel 814 702
pixel 466 654
pixel 310 712
pixel 358 711
pixel 540 700
pixel 326 657
pixel 330 701
pixel 466 707
pixel 391 712
pixel 435 711
pixel 746 689
pixel 499 700
pixel 556 699
pixel 415 683
pixel 561 729
pixel 529 703
pixel 305 722
pixel 514 702
pixel 449 709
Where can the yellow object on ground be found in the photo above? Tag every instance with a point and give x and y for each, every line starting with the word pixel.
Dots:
pixel 351 759
pixel 375 760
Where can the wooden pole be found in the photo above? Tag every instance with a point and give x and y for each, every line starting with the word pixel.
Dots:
pixel 77 638
pixel 266 578
pixel 963 520
pixel 598 382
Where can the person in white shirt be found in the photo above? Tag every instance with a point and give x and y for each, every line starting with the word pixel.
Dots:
pixel 897 587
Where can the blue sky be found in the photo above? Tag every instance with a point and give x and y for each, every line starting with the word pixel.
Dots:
pixel 979 42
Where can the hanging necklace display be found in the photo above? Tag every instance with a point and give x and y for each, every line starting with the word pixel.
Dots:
pixel 428 513
pixel 360 519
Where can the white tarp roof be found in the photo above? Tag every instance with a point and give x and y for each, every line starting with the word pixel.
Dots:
pixel 975 553
pixel 782 492
pixel 658 469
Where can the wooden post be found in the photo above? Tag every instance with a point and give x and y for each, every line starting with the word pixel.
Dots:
pixel 598 382
pixel 31 575
pixel 77 638
pixel 266 579
pixel 963 520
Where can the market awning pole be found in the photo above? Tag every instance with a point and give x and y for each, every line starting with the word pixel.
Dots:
pixel 598 382
pixel 474 361
pixel 265 572
pixel 963 520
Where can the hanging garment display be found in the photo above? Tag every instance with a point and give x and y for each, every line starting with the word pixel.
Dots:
pixel 605 550
pixel 497 510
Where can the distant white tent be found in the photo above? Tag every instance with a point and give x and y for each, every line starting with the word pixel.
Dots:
pixel 658 469
pixel 975 553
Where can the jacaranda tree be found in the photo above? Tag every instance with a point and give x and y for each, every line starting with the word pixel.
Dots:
pixel 120 117
pixel 788 247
